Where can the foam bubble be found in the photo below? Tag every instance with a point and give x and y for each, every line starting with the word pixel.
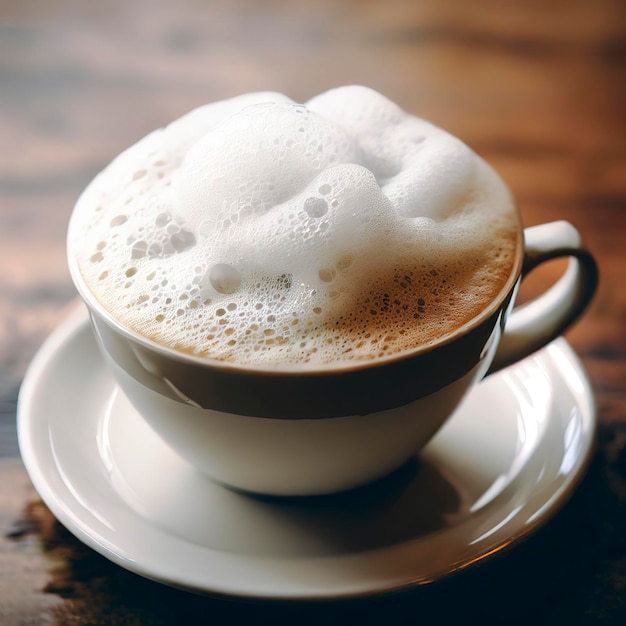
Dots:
pixel 225 278
pixel 261 231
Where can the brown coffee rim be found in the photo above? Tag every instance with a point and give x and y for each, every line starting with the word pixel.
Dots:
pixel 293 369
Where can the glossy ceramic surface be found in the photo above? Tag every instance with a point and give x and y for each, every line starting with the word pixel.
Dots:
pixel 503 464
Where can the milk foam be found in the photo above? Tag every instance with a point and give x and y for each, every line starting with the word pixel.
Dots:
pixel 261 231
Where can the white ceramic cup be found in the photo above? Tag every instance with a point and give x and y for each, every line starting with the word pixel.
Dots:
pixel 286 432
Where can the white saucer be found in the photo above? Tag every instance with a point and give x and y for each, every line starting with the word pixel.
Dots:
pixel 502 465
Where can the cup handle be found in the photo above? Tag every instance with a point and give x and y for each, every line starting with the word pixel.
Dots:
pixel 536 323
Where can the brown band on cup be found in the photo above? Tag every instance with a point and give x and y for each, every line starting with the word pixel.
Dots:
pixel 329 393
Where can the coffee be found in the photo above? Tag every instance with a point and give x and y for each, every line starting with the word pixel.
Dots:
pixel 263 232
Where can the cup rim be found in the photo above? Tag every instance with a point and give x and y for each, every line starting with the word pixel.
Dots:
pixel 297 369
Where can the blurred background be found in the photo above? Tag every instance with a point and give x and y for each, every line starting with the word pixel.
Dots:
pixel 537 87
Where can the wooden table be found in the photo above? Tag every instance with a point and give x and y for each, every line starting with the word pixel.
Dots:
pixel 537 88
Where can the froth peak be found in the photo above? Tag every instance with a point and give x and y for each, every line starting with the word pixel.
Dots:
pixel 253 228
